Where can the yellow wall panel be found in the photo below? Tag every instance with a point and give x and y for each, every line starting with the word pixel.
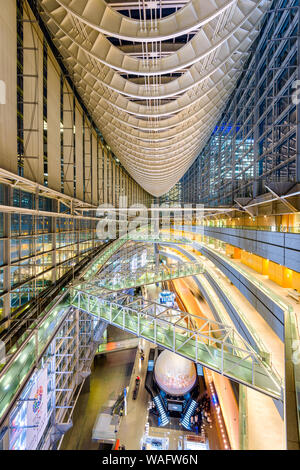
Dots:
pixel 296 280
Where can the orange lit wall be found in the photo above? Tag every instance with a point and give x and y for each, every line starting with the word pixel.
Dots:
pixel 280 274
pixel 233 251
pixel 283 276
pixel 286 222
pixel 296 280
pixel 255 262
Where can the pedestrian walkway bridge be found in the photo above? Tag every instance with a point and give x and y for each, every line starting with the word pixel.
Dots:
pixel 138 236
pixel 148 274
pixel 212 344
pixel 158 236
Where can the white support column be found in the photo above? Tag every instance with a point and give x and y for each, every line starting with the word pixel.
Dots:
pixel 8 75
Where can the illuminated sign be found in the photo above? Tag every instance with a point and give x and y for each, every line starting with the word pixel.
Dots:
pixel 167 298
pixel 134 263
pixel 37 415
pixel 144 258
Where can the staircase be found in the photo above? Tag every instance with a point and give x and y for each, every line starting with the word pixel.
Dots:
pixel 161 409
pixel 186 421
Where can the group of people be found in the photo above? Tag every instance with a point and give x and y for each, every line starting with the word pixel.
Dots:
pixel 201 417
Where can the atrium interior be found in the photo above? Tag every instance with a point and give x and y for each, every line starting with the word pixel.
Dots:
pixel 149 225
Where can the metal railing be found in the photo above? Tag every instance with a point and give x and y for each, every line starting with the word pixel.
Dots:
pixel 217 305
pixel 157 237
pixel 266 228
pixel 149 274
pixel 213 344
pixel 267 291
pixel 293 353
pixel 24 356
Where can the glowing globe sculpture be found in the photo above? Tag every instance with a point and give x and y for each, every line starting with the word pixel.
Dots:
pixel 174 374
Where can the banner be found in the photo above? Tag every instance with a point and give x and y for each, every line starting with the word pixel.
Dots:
pixel 37 416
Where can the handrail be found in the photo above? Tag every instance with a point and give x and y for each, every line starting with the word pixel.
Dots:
pixel 149 274
pixel 22 360
pixel 41 304
pixel 263 349
pixel 269 292
pixel 294 344
pixel 265 228
pixel 240 312
pixel 211 345
pixel 243 419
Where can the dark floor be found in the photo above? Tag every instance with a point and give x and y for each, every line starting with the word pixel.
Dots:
pixel 111 374
pixel 116 334
pixel 173 424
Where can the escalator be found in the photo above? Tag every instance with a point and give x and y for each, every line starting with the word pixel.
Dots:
pixel 11 329
pixel 163 417
pixel 190 410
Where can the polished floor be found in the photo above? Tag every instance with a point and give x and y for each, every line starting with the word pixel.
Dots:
pixel 111 374
pixel 132 427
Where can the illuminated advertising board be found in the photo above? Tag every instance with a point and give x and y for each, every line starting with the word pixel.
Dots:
pixel 37 415
pixel 134 263
pixel 144 258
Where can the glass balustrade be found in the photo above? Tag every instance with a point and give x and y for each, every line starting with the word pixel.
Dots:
pixel 149 274
pixel 237 363
pixel 270 293
pixel 14 374
pixel 264 228
pixel 19 364
pixel 105 255
pixel 160 238
pixel 227 358
pixel 295 345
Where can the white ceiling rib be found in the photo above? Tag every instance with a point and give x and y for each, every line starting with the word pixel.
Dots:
pixel 155 85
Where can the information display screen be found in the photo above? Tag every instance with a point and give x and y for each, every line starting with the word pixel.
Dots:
pixel 167 298
pixel 175 407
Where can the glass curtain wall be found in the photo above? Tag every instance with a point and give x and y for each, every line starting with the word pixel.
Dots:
pixel 60 153
pixel 254 142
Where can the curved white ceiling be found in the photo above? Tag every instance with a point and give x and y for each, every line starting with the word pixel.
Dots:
pixel 155 87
